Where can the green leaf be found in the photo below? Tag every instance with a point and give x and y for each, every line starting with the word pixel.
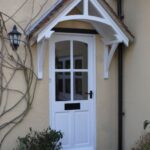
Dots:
pixel 146 123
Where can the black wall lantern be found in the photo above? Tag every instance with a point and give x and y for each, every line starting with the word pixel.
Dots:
pixel 14 37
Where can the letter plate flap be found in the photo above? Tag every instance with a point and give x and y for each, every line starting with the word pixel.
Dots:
pixel 73 106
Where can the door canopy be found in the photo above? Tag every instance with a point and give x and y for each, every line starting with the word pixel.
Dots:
pixel 98 13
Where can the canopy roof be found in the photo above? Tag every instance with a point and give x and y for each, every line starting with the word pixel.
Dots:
pixel 98 13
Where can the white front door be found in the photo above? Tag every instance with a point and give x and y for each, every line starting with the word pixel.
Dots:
pixel 72 90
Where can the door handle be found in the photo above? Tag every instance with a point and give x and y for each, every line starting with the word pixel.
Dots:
pixel 90 94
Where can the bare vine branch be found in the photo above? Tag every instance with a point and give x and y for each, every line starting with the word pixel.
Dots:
pixel 13 63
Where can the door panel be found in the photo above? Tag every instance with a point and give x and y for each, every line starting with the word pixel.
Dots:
pixel 61 123
pixel 82 128
pixel 71 80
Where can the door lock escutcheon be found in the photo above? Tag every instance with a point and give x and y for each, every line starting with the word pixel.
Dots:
pixel 90 94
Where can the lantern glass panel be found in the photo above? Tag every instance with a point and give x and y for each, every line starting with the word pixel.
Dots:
pixel 15 39
pixel 19 39
pixel 11 39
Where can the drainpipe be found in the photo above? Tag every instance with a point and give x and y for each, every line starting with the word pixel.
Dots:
pixel 120 83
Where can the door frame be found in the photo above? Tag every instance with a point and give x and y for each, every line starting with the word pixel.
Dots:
pixel 50 71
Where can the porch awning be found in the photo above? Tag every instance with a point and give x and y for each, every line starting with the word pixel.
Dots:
pixel 98 13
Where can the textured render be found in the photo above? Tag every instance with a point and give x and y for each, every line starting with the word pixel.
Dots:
pixel 137 72
pixel 38 117
pixel 106 103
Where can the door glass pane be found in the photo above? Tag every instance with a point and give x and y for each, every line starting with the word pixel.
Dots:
pixel 80 55
pixel 80 85
pixel 62 55
pixel 63 86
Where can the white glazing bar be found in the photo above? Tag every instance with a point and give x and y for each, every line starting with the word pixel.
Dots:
pixel 71 72
pixel 81 70
pixel 68 70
